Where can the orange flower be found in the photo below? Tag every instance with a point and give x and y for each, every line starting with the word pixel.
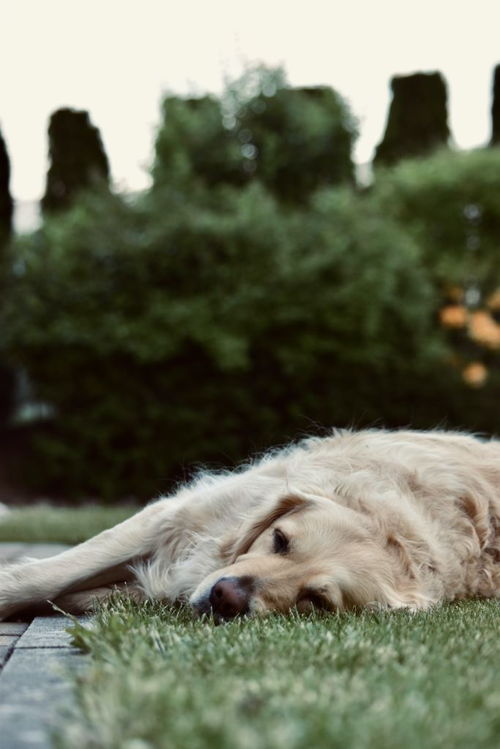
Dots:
pixel 453 316
pixel 483 329
pixel 475 374
pixel 494 300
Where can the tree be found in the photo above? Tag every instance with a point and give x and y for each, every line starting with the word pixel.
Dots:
pixel 6 202
pixel 78 159
pixel 292 140
pixel 297 140
pixel 226 329
pixel 193 147
pixel 495 108
pixel 448 203
pixel 7 382
pixel 418 118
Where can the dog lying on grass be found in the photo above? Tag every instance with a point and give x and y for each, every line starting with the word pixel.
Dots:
pixel 373 518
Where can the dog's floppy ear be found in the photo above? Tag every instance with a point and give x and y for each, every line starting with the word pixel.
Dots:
pixel 257 524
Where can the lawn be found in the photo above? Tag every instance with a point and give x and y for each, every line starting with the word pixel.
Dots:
pixel 66 525
pixel 158 678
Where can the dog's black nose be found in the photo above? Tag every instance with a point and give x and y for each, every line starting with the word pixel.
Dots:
pixel 230 597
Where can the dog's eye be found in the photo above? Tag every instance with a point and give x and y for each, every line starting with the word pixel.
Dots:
pixel 309 600
pixel 280 542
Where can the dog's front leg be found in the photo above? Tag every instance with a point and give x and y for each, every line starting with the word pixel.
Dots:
pixel 98 561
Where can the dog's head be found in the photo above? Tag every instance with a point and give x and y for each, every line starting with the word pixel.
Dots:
pixel 306 552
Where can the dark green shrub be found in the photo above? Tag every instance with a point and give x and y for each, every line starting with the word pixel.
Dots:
pixel 7 380
pixel 292 140
pixel 417 123
pixel 450 204
pixel 7 393
pixel 297 140
pixel 77 159
pixel 193 148
pixel 6 202
pixel 495 108
pixel 164 339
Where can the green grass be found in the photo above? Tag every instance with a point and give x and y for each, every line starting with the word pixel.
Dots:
pixel 158 678
pixel 43 523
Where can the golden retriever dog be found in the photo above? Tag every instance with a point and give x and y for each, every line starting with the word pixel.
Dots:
pixel 372 518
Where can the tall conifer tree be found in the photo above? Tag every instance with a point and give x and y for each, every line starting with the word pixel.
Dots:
pixel 418 118
pixel 6 202
pixel 77 159
pixel 495 108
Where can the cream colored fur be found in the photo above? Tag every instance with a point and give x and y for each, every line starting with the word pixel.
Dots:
pixel 394 519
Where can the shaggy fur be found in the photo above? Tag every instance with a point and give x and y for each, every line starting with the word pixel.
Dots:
pixel 393 519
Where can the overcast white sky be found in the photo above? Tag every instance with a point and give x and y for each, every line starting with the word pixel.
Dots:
pixel 116 57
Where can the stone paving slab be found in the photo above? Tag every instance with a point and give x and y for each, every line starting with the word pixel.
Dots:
pixel 13 628
pixel 5 651
pixel 9 635
pixel 34 662
pixel 47 632
pixel 33 691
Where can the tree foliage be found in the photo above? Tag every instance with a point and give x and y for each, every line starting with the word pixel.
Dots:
pixel 7 384
pixel 292 140
pixel 162 339
pixel 495 108
pixel 296 140
pixel 417 122
pixel 194 148
pixel 448 202
pixel 249 296
pixel 6 202
pixel 78 159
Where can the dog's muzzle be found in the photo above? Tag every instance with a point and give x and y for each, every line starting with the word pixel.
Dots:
pixel 228 598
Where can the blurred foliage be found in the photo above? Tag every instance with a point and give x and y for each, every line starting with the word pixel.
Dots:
pixel 450 203
pixel 233 308
pixel 167 338
pixel 292 140
pixel 193 148
pixel 78 159
pixel 495 108
pixel 418 118
pixel 7 379
pixel 6 202
pixel 295 140
pixel 7 391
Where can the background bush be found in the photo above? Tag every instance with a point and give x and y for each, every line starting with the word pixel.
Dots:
pixel 449 203
pixel 291 140
pixel 417 122
pixel 163 338
pixel 219 314
pixel 443 200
